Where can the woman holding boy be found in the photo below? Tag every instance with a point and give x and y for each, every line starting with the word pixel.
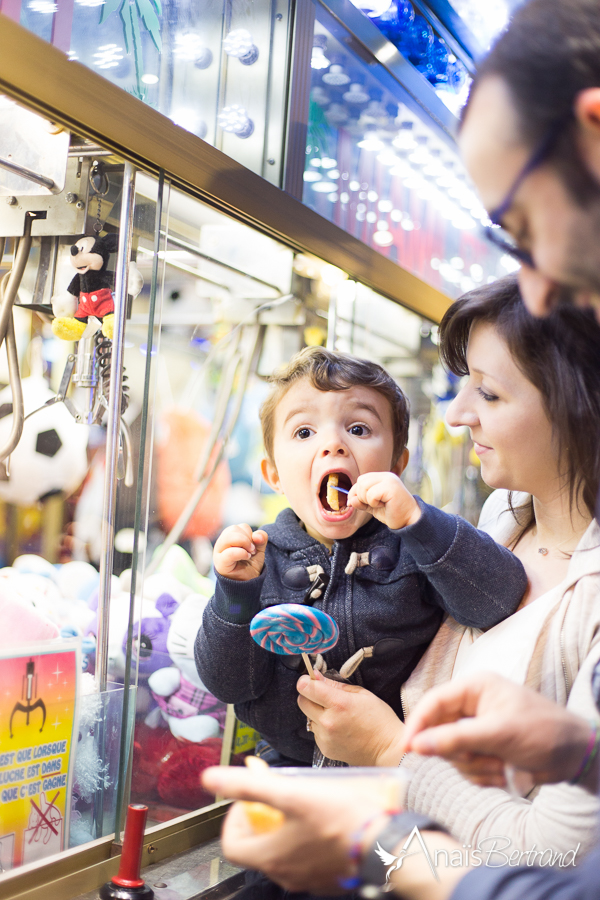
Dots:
pixel 532 403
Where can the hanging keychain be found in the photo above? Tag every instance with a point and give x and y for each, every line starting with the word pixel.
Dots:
pixel 100 185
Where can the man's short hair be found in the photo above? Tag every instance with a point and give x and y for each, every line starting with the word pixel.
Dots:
pixel 548 55
pixel 329 370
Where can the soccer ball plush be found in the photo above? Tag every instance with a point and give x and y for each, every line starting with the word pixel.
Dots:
pixel 51 455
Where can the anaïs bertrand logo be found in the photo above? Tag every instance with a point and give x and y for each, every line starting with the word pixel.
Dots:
pixel 395 862
pixel 493 852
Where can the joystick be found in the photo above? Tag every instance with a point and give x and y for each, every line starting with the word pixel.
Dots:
pixel 127 884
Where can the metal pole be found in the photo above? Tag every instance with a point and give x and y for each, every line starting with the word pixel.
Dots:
pixel 114 422
pixel 29 174
pixel 332 318
pixel 126 745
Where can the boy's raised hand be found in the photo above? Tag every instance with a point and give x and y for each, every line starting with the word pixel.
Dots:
pixel 384 496
pixel 240 552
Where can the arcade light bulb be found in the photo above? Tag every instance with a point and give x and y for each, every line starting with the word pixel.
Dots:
pixel 336 77
pixel 46 7
pixel 319 60
pixel 235 120
pixel 191 47
pixel 324 187
pixel 383 238
pixel 239 43
pixel 371 142
pixel 404 140
pixel 188 118
pixel 356 95
pixel 108 56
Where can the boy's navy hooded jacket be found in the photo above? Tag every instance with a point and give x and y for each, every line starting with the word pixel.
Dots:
pixel 394 600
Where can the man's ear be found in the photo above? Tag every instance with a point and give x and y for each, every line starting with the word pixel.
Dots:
pixel 402 462
pixel 587 113
pixel 270 474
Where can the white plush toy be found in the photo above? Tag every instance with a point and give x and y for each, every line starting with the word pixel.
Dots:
pixel 191 711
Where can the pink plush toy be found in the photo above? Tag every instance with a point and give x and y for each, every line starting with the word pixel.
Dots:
pixel 22 623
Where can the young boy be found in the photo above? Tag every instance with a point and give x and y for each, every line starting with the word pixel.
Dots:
pixel 382 563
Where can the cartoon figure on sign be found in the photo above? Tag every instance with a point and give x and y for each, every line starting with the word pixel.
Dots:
pixel 29 691
pixel 46 821
pixel 45 832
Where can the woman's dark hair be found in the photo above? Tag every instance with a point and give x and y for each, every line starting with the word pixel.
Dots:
pixel 559 355
pixel 550 52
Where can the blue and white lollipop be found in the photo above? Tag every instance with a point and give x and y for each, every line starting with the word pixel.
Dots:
pixel 291 628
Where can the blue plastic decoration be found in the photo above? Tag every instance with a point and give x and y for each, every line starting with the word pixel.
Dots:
pixel 396 20
pixel 438 62
pixel 417 41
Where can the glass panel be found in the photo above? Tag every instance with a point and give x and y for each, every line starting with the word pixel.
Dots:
pixel 66 553
pixel 96 785
pixel 209 352
pixel 214 69
pixel 381 173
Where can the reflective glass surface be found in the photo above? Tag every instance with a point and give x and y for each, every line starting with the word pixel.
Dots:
pixel 378 170
pixel 213 307
pixel 212 68
pixel 65 551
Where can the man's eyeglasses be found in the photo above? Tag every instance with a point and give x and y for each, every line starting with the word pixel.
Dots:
pixel 494 232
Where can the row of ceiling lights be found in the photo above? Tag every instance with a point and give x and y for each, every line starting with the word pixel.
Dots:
pixel 420 169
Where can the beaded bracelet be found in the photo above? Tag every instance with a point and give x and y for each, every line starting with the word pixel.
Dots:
pixel 590 754
pixel 355 851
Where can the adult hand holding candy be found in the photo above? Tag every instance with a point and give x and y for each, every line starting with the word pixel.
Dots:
pixel 290 628
pixel 239 552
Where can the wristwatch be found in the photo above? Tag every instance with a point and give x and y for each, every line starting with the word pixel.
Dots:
pixel 380 857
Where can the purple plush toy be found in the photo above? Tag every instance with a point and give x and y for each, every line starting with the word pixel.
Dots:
pixel 151 646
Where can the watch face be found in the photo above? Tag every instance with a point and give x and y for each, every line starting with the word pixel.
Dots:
pixel 395 842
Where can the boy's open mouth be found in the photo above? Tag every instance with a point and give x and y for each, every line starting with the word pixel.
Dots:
pixel 334 501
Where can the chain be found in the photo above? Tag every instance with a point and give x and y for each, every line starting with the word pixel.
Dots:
pixel 100 185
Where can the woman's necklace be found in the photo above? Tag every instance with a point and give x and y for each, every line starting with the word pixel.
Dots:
pixel 543 551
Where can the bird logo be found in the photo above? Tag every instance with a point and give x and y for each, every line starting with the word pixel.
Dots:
pixel 393 862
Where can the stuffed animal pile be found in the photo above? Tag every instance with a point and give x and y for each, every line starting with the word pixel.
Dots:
pixel 178 722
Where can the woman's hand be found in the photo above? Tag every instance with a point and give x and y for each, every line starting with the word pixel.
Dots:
pixel 350 723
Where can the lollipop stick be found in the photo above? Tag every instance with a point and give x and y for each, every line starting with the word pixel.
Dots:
pixel 308 665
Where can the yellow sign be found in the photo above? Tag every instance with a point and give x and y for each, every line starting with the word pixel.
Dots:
pixel 38 737
pixel 246 738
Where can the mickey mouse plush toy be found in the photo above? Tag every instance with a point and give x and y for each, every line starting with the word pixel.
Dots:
pixel 90 293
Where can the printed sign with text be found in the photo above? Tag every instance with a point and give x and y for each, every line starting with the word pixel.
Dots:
pixel 38 718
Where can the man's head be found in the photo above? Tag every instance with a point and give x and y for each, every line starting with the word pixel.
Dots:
pixel 537 97
pixel 331 413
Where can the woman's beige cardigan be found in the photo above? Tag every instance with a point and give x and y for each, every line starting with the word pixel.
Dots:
pixel 556 817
